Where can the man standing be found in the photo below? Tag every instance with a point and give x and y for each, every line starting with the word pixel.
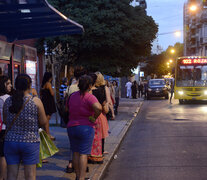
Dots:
pixel 129 90
pixel 171 90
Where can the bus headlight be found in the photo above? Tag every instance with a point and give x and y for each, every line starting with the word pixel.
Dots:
pixel 205 92
pixel 180 93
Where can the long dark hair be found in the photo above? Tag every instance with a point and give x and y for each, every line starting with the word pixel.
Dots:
pixel 22 83
pixel 84 83
pixel 3 80
pixel 94 77
pixel 47 76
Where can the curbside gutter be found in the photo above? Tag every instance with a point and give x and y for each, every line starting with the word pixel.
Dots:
pixel 101 170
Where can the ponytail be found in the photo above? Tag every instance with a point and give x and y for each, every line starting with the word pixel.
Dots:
pixel 17 101
pixel 22 83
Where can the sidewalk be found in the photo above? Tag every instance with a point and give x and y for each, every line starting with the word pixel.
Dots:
pixel 128 110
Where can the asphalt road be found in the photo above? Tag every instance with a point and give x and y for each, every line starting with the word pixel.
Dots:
pixel 165 142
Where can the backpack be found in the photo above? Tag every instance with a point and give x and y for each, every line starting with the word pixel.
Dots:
pixel 61 107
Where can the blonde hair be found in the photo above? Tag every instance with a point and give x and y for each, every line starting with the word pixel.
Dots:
pixel 100 79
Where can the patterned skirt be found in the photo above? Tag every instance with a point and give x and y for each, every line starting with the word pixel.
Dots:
pixel 104 126
pixel 96 152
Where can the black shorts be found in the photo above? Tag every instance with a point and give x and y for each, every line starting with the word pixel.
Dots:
pixel 2 143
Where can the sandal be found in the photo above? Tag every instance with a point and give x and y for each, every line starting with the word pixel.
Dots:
pixel 69 169
pixel 45 161
pixel 52 138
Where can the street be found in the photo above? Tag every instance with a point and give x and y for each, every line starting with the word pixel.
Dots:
pixel 165 142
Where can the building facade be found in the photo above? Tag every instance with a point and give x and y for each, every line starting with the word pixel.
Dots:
pixel 195 28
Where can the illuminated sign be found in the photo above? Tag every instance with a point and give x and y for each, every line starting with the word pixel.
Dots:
pixel 194 61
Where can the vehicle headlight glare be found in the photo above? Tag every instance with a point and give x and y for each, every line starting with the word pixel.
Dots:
pixel 205 92
pixel 180 92
pixel 149 89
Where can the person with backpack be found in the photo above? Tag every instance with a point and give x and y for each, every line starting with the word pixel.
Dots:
pixel 5 89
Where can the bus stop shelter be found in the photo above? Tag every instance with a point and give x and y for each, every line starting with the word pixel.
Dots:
pixel 30 19
pixel 27 19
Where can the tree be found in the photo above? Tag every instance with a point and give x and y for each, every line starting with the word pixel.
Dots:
pixel 116 35
pixel 157 63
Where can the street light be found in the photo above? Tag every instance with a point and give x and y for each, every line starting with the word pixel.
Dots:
pixel 172 51
pixel 193 8
pixel 177 33
pixel 170 60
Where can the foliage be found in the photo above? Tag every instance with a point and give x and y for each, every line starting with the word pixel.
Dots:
pixel 157 63
pixel 116 35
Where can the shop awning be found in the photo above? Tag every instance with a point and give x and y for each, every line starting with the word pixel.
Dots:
pixel 27 19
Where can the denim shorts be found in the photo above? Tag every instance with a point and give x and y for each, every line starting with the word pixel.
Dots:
pixel 81 138
pixel 16 152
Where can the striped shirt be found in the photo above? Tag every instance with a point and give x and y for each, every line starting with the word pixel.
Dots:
pixel 63 88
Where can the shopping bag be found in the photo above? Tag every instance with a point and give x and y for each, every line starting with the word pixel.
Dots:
pixel 47 147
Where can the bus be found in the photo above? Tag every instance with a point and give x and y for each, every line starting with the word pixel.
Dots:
pixel 190 78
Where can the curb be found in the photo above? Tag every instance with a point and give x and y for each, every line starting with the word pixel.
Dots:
pixel 101 170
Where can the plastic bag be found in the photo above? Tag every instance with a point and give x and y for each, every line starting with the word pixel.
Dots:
pixel 47 147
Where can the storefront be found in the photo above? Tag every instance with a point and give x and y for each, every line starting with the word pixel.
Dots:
pixel 29 19
pixel 22 58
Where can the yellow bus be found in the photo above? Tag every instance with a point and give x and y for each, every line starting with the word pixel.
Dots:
pixel 190 78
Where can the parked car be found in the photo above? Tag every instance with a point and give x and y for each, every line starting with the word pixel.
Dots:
pixel 157 88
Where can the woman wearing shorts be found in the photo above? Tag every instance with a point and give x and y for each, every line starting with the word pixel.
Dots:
pixel 84 109
pixel 22 138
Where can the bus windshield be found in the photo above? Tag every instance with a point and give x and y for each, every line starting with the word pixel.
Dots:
pixel 191 75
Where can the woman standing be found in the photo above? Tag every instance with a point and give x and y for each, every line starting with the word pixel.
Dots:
pixel 134 90
pixel 5 89
pixel 117 94
pixel 96 156
pixel 47 97
pixel 22 115
pixel 84 109
pixel 111 115
pixel 100 83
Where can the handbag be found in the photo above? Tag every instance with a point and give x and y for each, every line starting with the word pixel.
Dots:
pixel 12 123
pixel 47 147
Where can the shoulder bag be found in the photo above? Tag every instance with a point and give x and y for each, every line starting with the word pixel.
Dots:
pixel 12 123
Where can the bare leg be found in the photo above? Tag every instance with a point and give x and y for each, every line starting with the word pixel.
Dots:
pixel 83 164
pixel 76 159
pixel 3 168
pixel 171 95
pixel 30 172
pixel 47 129
pixel 112 111
pixel 12 172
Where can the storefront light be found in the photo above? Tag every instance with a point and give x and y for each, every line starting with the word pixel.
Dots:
pixel 205 92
